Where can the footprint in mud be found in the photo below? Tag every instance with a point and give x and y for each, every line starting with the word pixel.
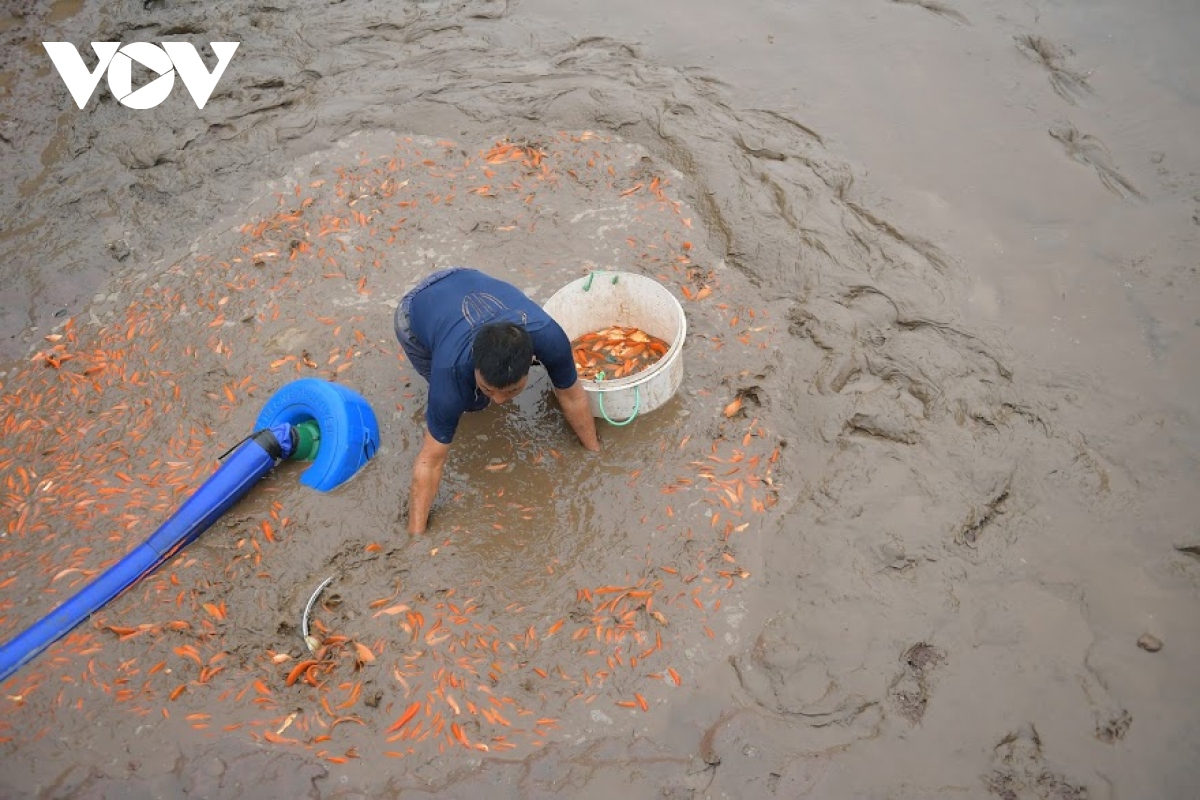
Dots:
pixel 488 9
pixel 1069 84
pixel 876 416
pixel 980 517
pixel 1087 149
pixel 1114 726
pixel 1112 721
pixel 787 680
pixel 941 9
pixel 909 691
pixel 1020 773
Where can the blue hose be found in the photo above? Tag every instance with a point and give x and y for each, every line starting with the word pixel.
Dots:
pixel 248 463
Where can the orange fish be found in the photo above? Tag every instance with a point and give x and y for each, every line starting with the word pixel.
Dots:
pixel 616 352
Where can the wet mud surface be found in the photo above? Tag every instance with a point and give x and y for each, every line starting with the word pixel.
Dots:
pixel 877 546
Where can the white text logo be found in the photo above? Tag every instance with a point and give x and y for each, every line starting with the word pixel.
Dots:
pixel 165 59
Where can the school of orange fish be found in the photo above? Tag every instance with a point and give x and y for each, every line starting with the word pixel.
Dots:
pixel 615 352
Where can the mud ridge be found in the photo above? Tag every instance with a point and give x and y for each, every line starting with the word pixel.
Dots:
pixel 1091 151
pixel 1069 84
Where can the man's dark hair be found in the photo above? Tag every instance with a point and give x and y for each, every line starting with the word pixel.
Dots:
pixel 503 352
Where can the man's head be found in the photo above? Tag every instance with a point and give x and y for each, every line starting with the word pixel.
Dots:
pixel 503 353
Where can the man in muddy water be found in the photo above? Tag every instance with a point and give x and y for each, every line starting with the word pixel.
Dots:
pixel 473 338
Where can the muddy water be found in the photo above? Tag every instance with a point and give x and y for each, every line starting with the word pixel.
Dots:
pixel 966 235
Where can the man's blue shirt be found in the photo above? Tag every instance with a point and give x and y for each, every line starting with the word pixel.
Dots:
pixel 445 317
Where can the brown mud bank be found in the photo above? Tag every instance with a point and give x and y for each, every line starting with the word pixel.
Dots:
pixel 899 568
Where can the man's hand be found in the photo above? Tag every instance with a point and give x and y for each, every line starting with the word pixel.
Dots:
pixel 578 412
pixel 426 477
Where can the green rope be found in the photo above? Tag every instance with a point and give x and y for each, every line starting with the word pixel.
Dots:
pixel 591 275
pixel 637 404
pixel 637 390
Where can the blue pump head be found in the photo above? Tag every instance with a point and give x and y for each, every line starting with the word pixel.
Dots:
pixel 349 431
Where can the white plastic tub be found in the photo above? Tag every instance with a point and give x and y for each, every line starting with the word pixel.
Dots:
pixel 603 299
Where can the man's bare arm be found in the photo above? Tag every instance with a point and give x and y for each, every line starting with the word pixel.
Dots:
pixel 426 477
pixel 575 408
